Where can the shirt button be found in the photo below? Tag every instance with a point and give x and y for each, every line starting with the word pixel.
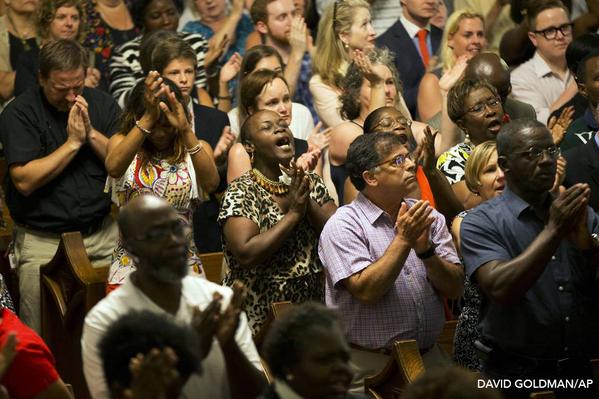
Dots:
pixel 553 257
pixel 560 288
pixel 567 318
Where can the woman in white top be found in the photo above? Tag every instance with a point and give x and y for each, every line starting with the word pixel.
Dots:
pixel 344 27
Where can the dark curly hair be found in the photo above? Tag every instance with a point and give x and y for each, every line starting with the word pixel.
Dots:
pixel 458 94
pixel 140 332
pixel 286 339
pixel 352 82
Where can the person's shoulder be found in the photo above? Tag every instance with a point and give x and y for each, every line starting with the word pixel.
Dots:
pixel 128 46
pixel 200 291
pixel 98 96
pixel 299 110
pixel 208 112
pixel 241 184
pixel 488 210
pixel 26 100
pixel 387 37
pixel 193 38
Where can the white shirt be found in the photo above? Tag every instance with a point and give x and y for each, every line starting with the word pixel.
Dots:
pixel 534 83
pixel 196 291
pixel 301 125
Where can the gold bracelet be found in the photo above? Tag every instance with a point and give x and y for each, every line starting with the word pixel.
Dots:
pixel 195 149
pixel 143 129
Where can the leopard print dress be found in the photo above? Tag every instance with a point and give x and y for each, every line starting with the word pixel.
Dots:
pixel 294 272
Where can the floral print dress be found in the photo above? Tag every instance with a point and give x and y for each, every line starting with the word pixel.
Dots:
pixel 173 182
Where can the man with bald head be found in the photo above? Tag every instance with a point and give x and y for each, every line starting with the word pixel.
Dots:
pixel 534 257
pixel 489 66
pixel 154 236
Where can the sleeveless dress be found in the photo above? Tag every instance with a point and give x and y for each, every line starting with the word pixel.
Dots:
pixel 173 182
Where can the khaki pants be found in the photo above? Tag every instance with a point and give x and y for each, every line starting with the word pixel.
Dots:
pixel 34 249
pixel 365 364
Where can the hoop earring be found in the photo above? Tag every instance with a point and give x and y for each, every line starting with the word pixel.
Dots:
pixel 252 157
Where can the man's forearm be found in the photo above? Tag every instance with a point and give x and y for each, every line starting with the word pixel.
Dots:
pixel 37 173
pixel 99 143
pixel 447 202
pixel 245 380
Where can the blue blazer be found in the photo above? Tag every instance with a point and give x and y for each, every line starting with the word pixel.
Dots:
pixel 407 59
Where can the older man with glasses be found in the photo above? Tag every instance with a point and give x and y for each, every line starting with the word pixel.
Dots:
pixel 544 81
pixel 388 260
pixel 534 257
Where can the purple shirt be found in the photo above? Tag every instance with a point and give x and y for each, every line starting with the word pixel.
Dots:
pixel 356 236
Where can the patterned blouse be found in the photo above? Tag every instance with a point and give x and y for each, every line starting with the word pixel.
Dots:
pixel 453 162
pixel 174 183
pixel 294 272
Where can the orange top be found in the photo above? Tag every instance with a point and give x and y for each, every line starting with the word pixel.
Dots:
pixel 425 189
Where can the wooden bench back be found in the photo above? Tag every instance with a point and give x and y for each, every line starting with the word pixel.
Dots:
pixel 70 287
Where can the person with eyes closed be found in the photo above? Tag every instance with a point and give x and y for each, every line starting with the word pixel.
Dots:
pixel 534 256
pixel 272 216
pixel 268 90
pixel 464 37
pixel 157 152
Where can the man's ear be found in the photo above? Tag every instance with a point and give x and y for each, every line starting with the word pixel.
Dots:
pixel 261 27
pixel 533 38
pixel 369 178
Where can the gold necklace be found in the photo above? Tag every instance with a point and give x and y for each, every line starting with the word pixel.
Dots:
pixel 18 35
pixel 273 187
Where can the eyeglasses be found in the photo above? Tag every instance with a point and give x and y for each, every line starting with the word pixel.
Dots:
pixel 396 162
pixel 160 233
pixel 551 32
pixel 490 103
pixel 537 153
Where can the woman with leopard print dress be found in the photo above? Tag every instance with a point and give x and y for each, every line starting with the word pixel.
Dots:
pixel 272 216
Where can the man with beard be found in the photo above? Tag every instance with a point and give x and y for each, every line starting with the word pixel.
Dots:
pixel 534 257
pixel 279 27
pixel 154 235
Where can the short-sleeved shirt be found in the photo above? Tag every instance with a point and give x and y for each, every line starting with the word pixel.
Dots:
pixel 355 237
pixel 33 369
pixel 557 317
pixel 453 162
pixel 31 128
pixel 297 258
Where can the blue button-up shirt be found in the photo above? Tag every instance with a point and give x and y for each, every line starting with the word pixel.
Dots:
pixel 559 315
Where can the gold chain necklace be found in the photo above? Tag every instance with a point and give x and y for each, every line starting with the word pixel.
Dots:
pixel 273 187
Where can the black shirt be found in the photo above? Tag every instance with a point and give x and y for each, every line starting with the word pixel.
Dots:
pixel 26 71
pixel 18 47
pixel 30 128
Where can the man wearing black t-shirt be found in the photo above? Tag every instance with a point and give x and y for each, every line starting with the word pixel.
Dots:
pixel 54 137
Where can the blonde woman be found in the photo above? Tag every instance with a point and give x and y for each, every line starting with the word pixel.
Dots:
pixel 464 36
pixel 345 26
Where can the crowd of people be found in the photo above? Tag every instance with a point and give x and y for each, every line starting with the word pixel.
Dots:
pixel 384 165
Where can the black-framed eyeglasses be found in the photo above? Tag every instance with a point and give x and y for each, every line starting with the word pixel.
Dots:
pixel 490 103
pixel 537 153
pixel 551 32
pixel 396 162
pixel 159 233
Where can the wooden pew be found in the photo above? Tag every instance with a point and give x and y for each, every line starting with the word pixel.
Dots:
pixel 70 287
pixel 213 266
pixel 402 369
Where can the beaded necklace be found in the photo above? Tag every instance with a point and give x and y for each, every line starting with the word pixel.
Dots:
pixel 273 187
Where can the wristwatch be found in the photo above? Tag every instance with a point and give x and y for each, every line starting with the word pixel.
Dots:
pixel 429 252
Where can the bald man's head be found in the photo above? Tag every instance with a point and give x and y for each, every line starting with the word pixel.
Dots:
pixel 132 216
pixel 490 67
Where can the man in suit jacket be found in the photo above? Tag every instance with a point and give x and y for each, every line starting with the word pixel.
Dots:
pixel 413 48
pixel 583 159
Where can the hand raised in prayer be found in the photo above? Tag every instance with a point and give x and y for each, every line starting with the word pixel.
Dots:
pixel 559 126
pixel 153 374
pixel 154 88
pixel 308 160
pixel 174 112
pixel 225 142
pixel 413 222
pixel 451 77
pixel 363 63
pixel 230 70
pixel 229 319
pixel 76 129
pixel 560 174
pixel 566 208
pixel 299 189
pixel 425 152
pixel 92 77
pixel 320 139
pixel 205 323
pixel 298 36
